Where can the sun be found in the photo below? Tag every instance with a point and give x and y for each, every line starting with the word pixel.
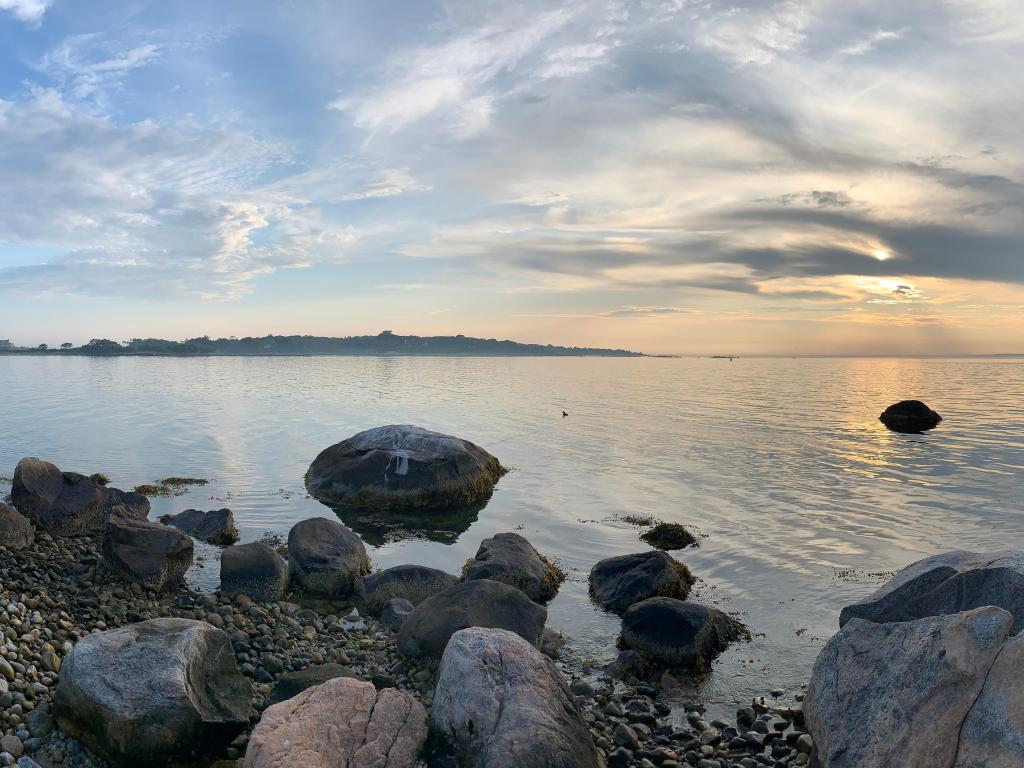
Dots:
pixel 881 255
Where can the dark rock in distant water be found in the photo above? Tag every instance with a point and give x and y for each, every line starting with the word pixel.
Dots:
pixel 395 612
pixel 669 536
pixel 153 693
pixel 343 722
pixel 911 416
pixel 947 583
pixel 414 583
pixel 254 570
pixel 500 704
pixel 16 531
pixel 677 633
pixel 482 603
pixel 291 684
pixel 214 527
pixel 403 467
pixel 325 558
pixel 155 555
pixel 618 582
pixel 939 691
pixel 67 503
pixel 511 559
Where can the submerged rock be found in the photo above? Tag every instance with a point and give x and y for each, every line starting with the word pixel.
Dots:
pixel 16 531
pixel 500 704
pixel 154 554
pixel 254 570
pixel 216 526
pixel 669 536
pixel 67 503
pixel 326 558
pixel 947 583
pixel 618 582
pixel 153 692
pixel 511 559
pixel 402 467
pixel 481 603
pixel 676 633
pixel 291 684
pixel 415 583
pixel 900 695
pixel 911 416
pixel 343 723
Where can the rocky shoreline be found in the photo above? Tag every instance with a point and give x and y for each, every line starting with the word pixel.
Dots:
pixel 57 591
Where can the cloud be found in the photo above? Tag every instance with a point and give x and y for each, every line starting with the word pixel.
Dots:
pixel 647 312
pixel 84 67
pixel 867 44
pixel 26 10
pixel 166 211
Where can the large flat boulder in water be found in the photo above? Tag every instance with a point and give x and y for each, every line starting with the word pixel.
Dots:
pixel 618 582
pixel 68 503
pixel 403 467
pixel 903 694
pixel 16 531
pixel 947 583
pixel 343 723
pixel 414 583
pixel 677 633
pixel 254 570
pixel 511 559
pixel 326 558
pixel 499 703
pixel 216 526
pixel 426 631
pixel 155 555
pixel 153 693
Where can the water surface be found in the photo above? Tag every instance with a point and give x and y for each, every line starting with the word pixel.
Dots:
pixel 803 498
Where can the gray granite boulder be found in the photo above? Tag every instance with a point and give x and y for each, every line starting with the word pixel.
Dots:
pixel 483 603
pixel 16 531
pixel 291 684
pixel 499 703
pixel 903 694
pixel 67 503
pixel 992 735
pixel 911 416
pixel 415 583
pixel 403 467
pixel 255 570
pixel 677 633
pixel 217 526
pixel 343 723
pixel 155 555
pixel 395 612
pixel 511 559
pixel 151 693
pixel 947 583
pixel 618 582
pixel 325 558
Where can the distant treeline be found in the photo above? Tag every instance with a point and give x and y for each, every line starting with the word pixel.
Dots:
pixel 386 343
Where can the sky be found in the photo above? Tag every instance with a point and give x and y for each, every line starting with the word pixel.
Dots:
pixel 670 176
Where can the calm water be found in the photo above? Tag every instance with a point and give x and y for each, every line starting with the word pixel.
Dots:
pixel 803 497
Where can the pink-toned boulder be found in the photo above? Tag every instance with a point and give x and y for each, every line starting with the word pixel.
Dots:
pixel 343 723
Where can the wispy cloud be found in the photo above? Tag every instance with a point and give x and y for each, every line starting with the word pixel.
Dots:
pixel 26 10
